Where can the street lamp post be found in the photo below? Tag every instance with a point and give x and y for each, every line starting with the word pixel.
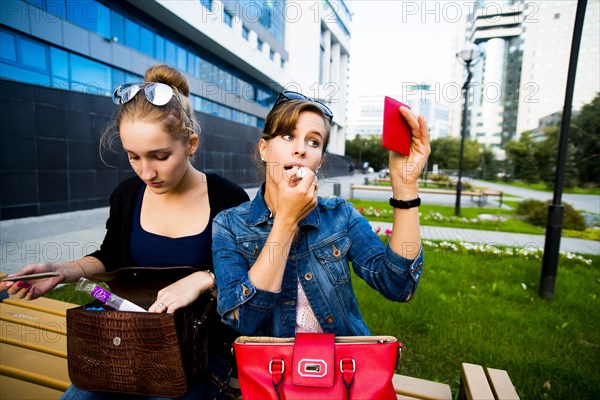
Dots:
pixel 556 209
pixel 469 55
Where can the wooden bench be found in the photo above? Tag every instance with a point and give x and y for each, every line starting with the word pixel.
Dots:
pixel 478 383
pixel 481 195
pixel 33 349
pixel 33 359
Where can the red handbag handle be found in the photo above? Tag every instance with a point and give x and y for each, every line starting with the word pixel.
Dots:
pixel 347 367
pixel 276 368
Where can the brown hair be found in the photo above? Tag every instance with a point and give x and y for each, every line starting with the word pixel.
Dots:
pixel 282 119
pixel 176 117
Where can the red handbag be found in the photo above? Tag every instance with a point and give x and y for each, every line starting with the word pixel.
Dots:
pixel 317 366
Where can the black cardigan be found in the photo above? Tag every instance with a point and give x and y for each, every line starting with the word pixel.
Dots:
pixel 114 252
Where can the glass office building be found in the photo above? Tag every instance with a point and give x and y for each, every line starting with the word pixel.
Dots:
pixel 60 61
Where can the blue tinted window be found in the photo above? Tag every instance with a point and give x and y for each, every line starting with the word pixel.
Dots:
pixel 160 48
pixel 59 62
pixel 84 13
pixel 181 58
pixel 133 78
pixel 118 78
pixel 33 54
pixel 227 18
pixel 103 20
pixel 23 75
pixel 147 41
pixel 170 52
pixel 191 64
pixel 117 26
pixel 8 49
pixel 259 44
pixel 60 83
pixel 132 34
pixel 207 4
pixel 198 67
pixel 245 32
pixel 57 8
pixel 39 3
pixel 94 77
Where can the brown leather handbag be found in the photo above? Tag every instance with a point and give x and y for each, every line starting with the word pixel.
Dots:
pixel 151 354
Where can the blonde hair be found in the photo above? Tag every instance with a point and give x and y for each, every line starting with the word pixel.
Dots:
pixel 176 117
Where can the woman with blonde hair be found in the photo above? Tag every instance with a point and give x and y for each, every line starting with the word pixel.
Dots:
pixel 159 218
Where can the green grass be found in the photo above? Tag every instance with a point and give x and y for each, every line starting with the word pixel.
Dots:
pixel 545 188
pixel 513 222
pixel 68 293
pixel 473 308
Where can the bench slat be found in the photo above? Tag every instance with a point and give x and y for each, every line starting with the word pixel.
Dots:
pixel 34 366
pixel 501 384
pixel 421 388
pixel 15 389
pixel 33 318
pixel 42 304
pixel 475 383
pixel 36 339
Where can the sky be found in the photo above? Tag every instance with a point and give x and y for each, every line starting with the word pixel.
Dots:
pixel 394 42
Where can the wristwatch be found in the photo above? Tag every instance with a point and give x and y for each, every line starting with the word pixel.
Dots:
pixel 405 204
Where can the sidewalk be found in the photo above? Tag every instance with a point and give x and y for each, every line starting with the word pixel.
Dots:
pixel 65 236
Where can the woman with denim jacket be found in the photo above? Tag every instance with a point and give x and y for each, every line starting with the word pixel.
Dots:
pixel 282 260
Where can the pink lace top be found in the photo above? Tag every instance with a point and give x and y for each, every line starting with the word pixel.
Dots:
pixel 305 317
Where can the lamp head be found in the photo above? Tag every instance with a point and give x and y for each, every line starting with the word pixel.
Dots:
pixel 469 53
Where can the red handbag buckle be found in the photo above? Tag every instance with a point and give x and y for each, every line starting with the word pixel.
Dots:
pixel 276 363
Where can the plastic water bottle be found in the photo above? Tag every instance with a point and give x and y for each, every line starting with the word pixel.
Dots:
pixel 111 300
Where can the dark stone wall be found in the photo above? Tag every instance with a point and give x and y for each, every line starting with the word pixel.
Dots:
pixel 50 160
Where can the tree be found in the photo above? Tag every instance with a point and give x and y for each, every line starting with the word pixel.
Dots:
pixel 520 159
pixel 584 138
pixel 445 152
pixel 368 149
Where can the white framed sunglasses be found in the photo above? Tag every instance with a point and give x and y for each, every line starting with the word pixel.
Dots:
pixel 156 93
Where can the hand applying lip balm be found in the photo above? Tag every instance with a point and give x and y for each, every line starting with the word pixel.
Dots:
pixel 300 173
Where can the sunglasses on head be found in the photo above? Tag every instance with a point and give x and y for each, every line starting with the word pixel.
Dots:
pixel 289 95
pixel 156 93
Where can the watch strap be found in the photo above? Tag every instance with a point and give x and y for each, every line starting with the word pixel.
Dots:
pixel 404 204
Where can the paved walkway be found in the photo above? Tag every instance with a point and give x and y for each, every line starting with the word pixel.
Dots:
pixel 65 236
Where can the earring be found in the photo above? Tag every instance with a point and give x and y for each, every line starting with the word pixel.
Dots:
pixel 262 159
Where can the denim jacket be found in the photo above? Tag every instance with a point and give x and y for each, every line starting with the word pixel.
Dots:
pixel 330 237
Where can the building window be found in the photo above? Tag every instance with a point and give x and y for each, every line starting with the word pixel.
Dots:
pixel 557 16
pixel 259 44
pixel 245 32
pixel 207 4
pixel 227 18
pixel 37 66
